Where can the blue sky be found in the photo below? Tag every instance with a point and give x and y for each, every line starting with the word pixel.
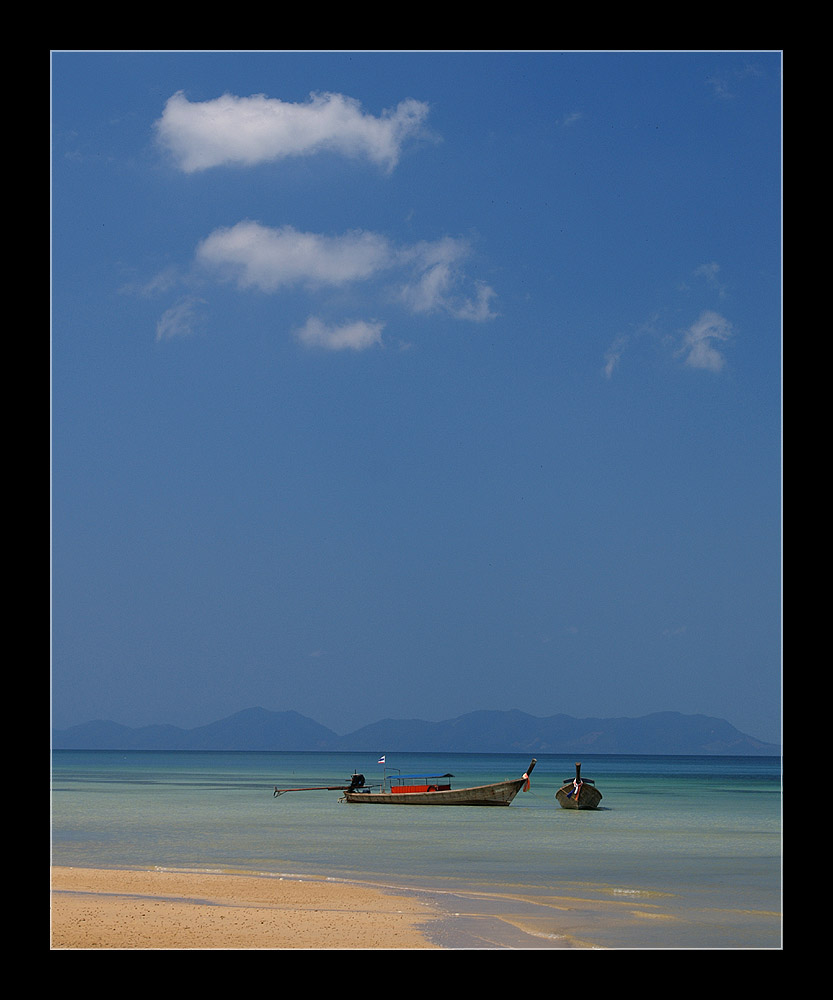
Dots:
pixel 411 384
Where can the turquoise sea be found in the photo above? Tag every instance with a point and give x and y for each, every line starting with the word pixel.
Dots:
pixel 684 852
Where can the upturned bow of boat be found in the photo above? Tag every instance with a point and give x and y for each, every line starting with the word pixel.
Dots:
pixel 578 792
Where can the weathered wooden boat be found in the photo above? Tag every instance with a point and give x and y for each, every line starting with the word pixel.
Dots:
pixel 424 790
pixel 578 792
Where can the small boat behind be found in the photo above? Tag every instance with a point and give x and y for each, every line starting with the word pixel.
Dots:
pixel 578 792
pixel 424 790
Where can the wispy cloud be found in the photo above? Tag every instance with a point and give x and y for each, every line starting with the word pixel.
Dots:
pixel 425 277
pixel 357 335
pixel 436 275
pixel 700 344
pixel 613 355
pixel 244 131
pixel 723 84
pixel 180 320
pixel 701 340
pixel 710 272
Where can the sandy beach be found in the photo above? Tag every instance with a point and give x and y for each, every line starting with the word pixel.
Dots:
pixel 103 909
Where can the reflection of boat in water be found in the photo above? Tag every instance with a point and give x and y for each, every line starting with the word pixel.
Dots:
pixel 425 790
pixel 578 792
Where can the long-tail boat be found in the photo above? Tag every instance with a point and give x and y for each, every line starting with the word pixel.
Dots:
pixel 424 790
pixel 578 792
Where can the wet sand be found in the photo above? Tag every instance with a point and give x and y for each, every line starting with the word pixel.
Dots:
pixel 104 909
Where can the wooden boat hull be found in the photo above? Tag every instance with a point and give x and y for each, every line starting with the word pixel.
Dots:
pixel 502 793
pixel 588 798
pixel 576 793
pixel 431 791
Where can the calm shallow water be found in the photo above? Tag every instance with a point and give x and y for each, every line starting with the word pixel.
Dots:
pixel 684 852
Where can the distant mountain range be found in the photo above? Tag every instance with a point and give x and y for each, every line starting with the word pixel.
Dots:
pixel 475 732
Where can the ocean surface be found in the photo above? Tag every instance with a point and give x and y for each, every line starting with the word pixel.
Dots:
pixel 684 852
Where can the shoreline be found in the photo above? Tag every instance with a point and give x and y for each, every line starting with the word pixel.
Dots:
pixel 120 909
pixel 186 909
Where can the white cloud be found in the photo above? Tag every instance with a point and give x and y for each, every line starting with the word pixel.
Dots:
pixel 614 355
pixel 436 271
pixel 428 288
pixel 710 273
pixel 244 131
pixel 357 335
pixel 477 309
pixel 426 277
pixel 256 256
pixel 700 338
pixel 179 320
pixel 699 344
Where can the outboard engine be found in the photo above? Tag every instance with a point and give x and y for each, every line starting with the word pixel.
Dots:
pixel 356 781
